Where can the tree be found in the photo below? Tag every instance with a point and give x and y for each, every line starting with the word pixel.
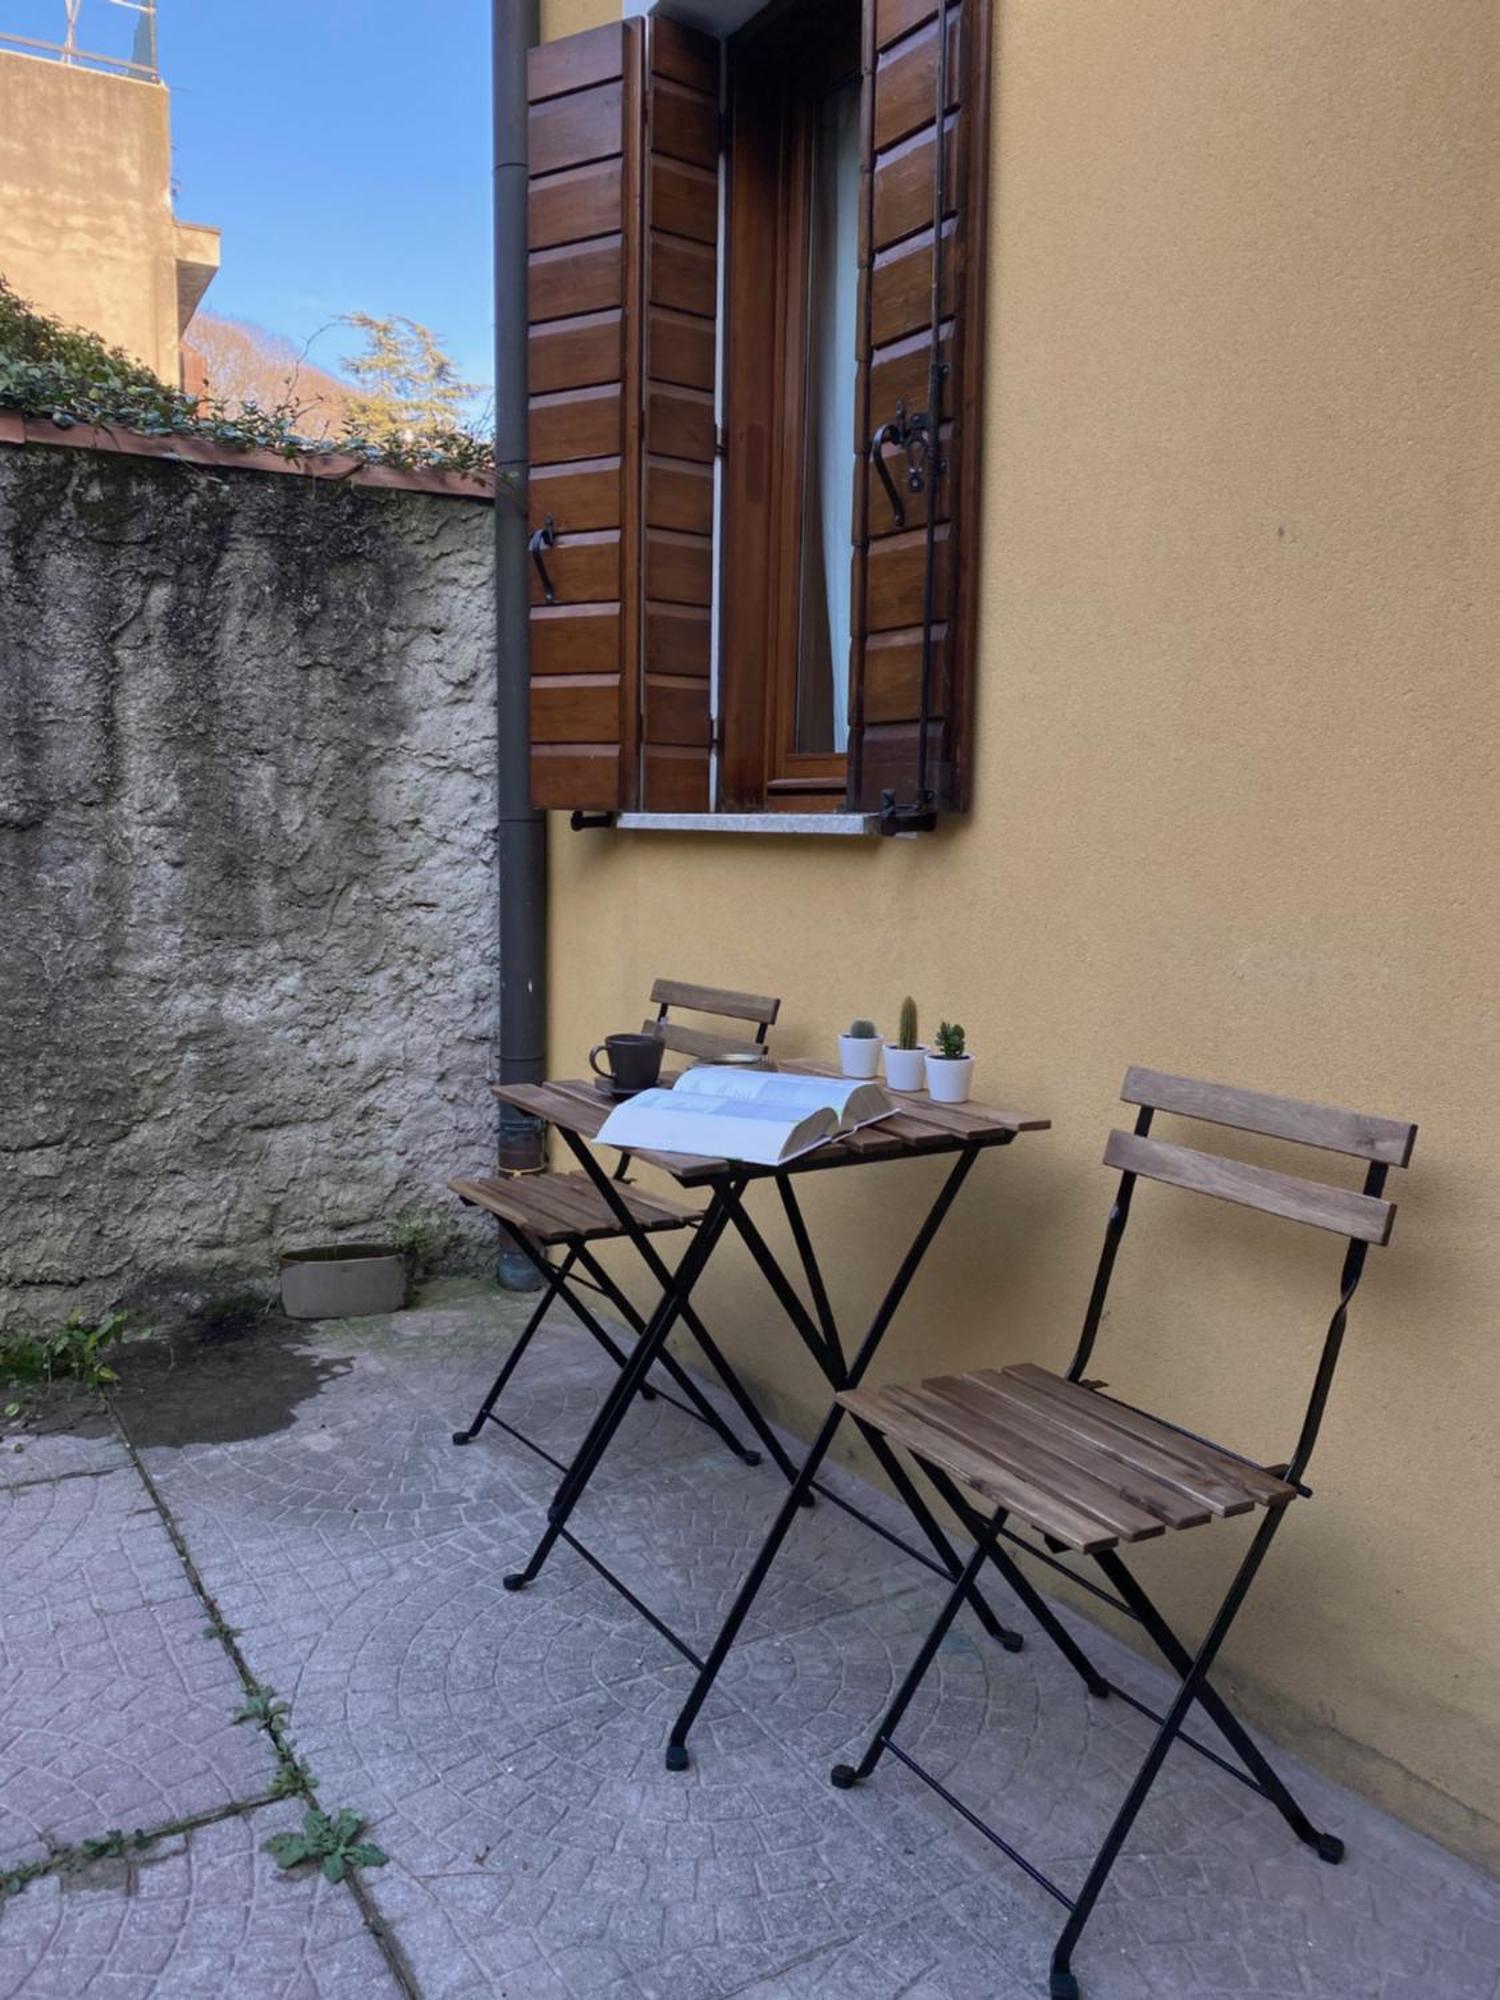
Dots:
pixel 406 383
pixel 246 365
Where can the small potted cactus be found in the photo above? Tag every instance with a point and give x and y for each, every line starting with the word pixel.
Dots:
pixel 904 1065
pixel 859 1049
pixel 950 1067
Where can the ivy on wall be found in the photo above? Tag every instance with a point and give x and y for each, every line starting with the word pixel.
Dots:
pixel 60 372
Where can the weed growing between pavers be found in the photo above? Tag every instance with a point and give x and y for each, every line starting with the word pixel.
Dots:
pixel 73 1353
pixel 332 1840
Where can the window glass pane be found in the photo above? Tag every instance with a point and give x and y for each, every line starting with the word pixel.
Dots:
pixel 822 722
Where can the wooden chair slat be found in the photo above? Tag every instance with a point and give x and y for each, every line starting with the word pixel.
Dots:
pixel 758 1007
pixel 1002 1488
pixel 1389 1140
pixel 1221 1495
pixel 562 1208
pixel 1263 1487
pixel 948 1404
pixel 703 1042
pixel 1337 1209
pixel 1138 1477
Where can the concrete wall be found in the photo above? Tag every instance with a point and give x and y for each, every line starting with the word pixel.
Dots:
pixel 1235 813
pixel 247 899
pixel 86 225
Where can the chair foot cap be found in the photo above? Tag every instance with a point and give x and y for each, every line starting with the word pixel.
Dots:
pixel 677 1757
pixel 1329 1847
pixel 843 1777
pixel 1100 1690
pixel 748 1457
pixel 463 1437
pixel 646 1393
pixel 1062 1986
pixel 807 1500
pixel 1012 1641
pixel 517 1580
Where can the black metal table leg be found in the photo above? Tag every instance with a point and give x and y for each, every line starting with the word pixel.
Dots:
pixel 677 1755
pixel 611 1412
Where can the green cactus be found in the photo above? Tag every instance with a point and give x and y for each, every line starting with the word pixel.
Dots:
pixel 949 1041
pixel 906 1031
pixel 862 1031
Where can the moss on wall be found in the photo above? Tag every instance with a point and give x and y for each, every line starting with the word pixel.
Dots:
pixel 247 910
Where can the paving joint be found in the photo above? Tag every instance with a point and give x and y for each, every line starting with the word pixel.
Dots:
pixel 301 1784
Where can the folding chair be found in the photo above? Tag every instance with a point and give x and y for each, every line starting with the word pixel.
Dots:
pixel 1087 1471
pixel 549 1213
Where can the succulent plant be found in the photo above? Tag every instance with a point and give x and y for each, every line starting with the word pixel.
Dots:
pixel 949 1041
pixel 862 1031
pixel 906 1030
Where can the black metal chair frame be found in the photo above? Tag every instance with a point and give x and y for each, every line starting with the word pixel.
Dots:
pixel 562 1279
pixel 1126 1594
pixel 821 1337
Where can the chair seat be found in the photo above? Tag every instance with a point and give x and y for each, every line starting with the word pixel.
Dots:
pixel 567 1208
pixel 1074 1464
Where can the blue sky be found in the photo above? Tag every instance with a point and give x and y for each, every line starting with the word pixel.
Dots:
pixel 343 148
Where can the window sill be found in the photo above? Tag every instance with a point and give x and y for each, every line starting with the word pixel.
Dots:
pixel 840 825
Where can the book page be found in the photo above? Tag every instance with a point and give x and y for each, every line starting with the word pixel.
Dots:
pixel 855 1102
pixel 715 1127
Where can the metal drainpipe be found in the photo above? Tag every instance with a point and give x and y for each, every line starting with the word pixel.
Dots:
pixel 522 833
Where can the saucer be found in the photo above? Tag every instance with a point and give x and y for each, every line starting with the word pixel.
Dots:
pixel 616 1092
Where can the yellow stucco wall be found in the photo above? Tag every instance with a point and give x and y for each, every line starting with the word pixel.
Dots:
pixel 1234 814
pixel 86 225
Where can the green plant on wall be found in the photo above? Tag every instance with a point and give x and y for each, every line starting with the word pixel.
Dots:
pixel 72 377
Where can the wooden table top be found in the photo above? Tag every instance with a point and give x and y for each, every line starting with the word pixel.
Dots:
pixel 918 1126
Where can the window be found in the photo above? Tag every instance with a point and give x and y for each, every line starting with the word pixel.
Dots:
pixel 754 379
pixel 791 352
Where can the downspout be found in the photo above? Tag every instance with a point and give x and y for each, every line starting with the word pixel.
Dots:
pixel 521 833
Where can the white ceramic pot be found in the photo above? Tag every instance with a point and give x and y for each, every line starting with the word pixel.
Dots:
pixel 859 1055
pixel 949 1078
pixel 905 1069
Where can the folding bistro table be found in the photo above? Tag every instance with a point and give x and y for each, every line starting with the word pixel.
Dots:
pixel 959 1132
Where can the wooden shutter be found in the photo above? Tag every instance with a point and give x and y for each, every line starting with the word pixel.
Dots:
pixel 681 205
pixel 894 620
pixel 584 164
pixel 623 187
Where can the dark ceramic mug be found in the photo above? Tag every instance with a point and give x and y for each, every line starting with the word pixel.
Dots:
pixel 634 1061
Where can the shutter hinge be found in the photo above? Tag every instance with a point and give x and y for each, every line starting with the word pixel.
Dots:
pixel 721 442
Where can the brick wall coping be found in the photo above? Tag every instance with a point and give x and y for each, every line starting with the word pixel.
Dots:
pixel 16 429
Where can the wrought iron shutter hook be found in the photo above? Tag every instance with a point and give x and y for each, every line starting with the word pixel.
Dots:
pixel 544 538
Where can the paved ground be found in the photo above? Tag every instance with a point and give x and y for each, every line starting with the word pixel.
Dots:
pixel 284 1506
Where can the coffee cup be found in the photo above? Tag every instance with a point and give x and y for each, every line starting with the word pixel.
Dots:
pixel 634 1061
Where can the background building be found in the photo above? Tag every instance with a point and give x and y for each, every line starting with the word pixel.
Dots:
pixel 87 230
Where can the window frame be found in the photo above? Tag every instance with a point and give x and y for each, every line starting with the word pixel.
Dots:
pixel 768 150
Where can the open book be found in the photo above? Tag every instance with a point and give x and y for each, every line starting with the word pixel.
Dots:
pixel 763 1116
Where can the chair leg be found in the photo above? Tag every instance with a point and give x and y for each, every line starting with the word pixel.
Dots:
pixel 1327 1846
pixel 922 1514
pixel 1064 1986
pixel 701 1407
pixel 556 1275
pixel 1029 1595
pixel 843 1776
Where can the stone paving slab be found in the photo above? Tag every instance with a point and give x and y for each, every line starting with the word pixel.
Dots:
pixel 115 1705
pixel 203 1916
pixel 59 1431
pixel 507 1749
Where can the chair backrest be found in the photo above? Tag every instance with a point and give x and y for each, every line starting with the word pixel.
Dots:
pixel 1380 1142
pixel 1363 1217
pixel 753 1010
